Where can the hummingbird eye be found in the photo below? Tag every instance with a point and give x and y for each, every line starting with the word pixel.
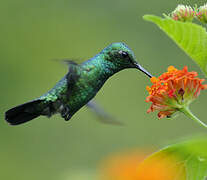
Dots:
pixel 124 54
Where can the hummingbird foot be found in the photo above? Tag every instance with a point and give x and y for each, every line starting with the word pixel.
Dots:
pixel 65 113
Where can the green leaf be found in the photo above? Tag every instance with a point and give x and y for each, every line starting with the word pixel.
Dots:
pixel 190 37
pixel 186 160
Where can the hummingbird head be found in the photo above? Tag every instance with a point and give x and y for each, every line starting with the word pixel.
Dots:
pixel 121 57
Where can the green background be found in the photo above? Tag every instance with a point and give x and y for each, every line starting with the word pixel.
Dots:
pixel 33 35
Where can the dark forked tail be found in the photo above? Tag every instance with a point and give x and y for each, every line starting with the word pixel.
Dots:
pixel 24 112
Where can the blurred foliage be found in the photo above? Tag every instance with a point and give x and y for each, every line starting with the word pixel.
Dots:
pixel 186 160
pixel 190 37
pixel 33 34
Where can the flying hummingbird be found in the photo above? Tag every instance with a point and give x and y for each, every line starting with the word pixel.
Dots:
pixel 78 87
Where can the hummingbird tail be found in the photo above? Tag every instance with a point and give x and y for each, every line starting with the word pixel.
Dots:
pixel 24 112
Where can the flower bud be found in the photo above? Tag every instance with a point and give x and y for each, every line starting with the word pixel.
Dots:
pixel 183 13
pixel 202 13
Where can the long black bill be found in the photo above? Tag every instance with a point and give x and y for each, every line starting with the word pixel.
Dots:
pixel 143 70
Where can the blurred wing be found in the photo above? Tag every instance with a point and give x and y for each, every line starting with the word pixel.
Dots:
pixel 66 85
pixel 72 75
pixel 68 61
pixel 102 116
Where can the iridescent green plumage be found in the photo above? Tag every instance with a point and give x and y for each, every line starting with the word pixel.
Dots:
pixel 79 86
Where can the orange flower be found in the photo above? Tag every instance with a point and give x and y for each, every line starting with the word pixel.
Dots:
pixel 173 91
pixel 122 166
pixel 135 165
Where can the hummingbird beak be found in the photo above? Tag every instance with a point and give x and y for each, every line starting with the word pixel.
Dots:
pixel 137 66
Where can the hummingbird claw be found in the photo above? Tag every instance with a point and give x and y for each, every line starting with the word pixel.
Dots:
pixel 65 113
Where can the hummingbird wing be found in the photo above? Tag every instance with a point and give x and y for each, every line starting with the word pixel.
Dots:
pixel 102 116
pixel 69 62
pixel 63 87
pixel 72 75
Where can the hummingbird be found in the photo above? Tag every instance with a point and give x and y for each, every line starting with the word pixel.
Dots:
pixel 78 87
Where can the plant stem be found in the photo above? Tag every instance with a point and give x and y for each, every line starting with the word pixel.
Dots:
pixel 188 113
